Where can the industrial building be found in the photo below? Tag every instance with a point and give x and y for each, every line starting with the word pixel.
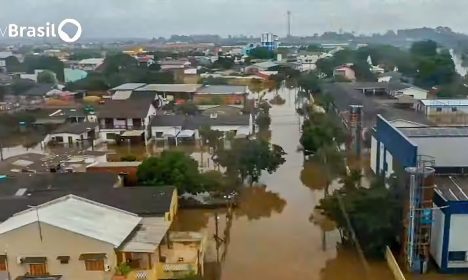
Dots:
pixel 448 245
pixel 442 106
pixel 397 145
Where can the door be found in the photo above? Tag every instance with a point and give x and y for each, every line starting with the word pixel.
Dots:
pixel 37 269
pixel 70 140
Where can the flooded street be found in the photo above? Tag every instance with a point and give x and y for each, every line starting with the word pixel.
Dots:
pixel 274 234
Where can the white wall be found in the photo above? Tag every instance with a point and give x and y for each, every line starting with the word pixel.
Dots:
pixel 76 137
pixel 418 94
pixel 389 159
pixel 164 129
pixel 381 160
pixel 437 235
pixel 448 151
pixel 458 237
pixel 446 109
pixel 373 154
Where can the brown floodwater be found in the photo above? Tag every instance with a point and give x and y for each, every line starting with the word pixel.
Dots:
pixel 275 232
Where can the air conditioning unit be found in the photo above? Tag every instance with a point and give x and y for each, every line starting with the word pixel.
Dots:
pixel 107 267
pixel 19 260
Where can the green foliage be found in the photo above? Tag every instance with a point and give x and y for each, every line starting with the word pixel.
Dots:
pixel 319 131
pixel 187 108
pixel 309 83
pixel 263 120
pixel 261 53
pixel 84 54
pixel 13 65
pixel 435 70
pixel 250 157
pixel 46 77
pixel 123 269
pixel 171 168
pixel 223 63
pixel 374 214
pixel 34 62
pixel 424 48
pixel 212 138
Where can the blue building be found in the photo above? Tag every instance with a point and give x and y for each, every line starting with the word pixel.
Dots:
pixel 449 243
pixel 398 144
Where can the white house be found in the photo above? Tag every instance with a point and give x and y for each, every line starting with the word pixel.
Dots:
pixel 74 133
pixel 127 118
pixel 166 127
pixel 90 64
pixel 415 92
pixel 442 106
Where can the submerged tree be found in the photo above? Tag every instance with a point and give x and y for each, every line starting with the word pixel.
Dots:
pixel 248 158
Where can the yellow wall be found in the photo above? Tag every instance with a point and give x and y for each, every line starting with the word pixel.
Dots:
pixel 25 242
pixel 174 206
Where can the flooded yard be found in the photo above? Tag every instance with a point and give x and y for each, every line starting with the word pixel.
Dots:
pixel 273 234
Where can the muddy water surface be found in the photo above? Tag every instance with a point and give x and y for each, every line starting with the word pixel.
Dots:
pixel 274 233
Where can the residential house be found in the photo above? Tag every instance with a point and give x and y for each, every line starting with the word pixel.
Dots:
pixel 174 64
pixel 90 64
pixel 126 87
pixel 111 225
pixel 35 95
pixel 179 93
pixel 74 133
pixel 345 72
pixel 73 75
pixel 33 76
pixel 412 91
pixel 262 66
pixel 221 95
pixel 220 110
pixel 442 106
pixel 126 169
pixel 174 128
pixel 392 76
pixel 126 118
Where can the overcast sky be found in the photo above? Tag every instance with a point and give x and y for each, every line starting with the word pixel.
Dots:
pixel 154 18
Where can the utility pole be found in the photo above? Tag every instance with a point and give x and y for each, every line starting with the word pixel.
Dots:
pixel 289 23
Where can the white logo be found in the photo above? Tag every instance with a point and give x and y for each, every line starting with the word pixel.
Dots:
pixel 46 31
pixel 64 35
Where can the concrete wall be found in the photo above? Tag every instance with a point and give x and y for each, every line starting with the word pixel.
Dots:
pixel 25 242
pixel 448 151
pixel 430 110
pixel 458 238
pixel 76 137
pixel 437 235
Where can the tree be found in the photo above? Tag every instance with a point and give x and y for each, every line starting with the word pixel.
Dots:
pixel 171 168
pixel 332 161
pixel 13 65
pixel 424 48
pixel 187 108
pixel 223 63
pixel 213 138
pixel 248 158
pixel 309 83
pixel 46 77
pixel 263 120
pixel 261 53
pixel 319 131
pixel 352 180
pixel 374 214
pixel 35 62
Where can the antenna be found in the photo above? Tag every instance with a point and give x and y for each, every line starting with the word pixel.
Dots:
pixel 289 23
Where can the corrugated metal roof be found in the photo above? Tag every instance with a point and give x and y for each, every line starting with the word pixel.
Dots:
pixel 80 216
pixel 222 89
pixel 147 236
pixel 128 86
pixel 122 95
pixel 435 131
pixel 170 87
pixel 445 102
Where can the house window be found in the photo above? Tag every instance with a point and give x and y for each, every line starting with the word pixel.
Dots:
pixel 438 109
pixel 454 109
pixel 94 265
pixel 457 256
pixel 159 134
pixel 64 259
pixel 37 269
pixel 93 261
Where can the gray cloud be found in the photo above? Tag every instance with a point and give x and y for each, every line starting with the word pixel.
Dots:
pixel 149 18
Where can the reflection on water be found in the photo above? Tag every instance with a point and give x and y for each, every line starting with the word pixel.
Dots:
pixel 273 235
pixel 257 202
